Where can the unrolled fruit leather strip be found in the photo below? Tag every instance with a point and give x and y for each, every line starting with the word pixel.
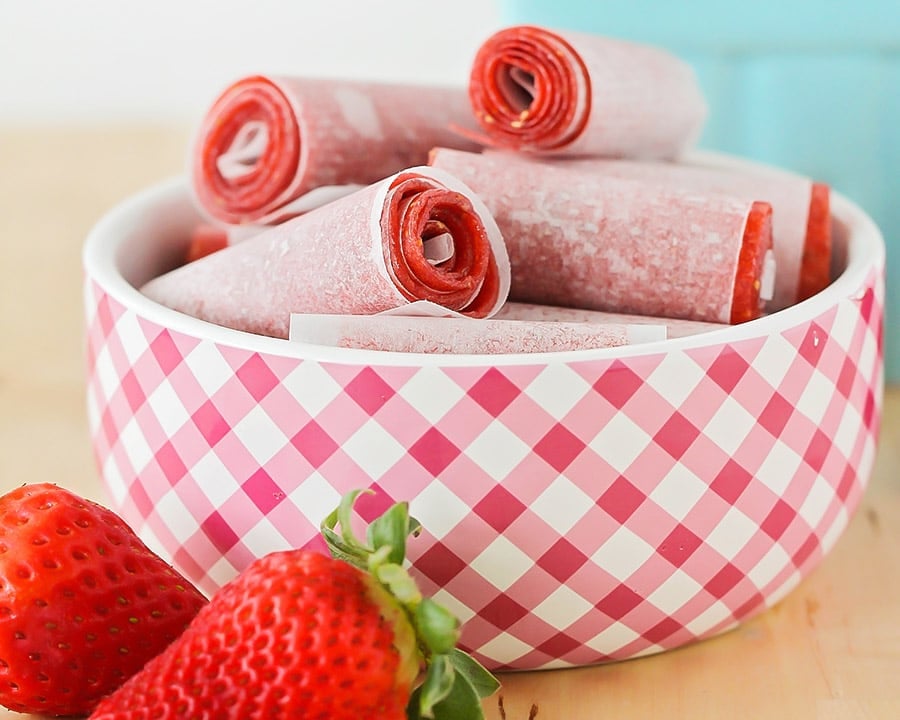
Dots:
pixel 454 335
pixel 578 239
pixel 417 235
pixel 801 217
pixel 266 142
pixel 567 93
pixel 675 327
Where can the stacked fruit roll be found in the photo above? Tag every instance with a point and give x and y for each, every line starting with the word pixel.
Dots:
pixel 550 178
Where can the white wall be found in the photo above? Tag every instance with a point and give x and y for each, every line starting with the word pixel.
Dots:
pixel 165 60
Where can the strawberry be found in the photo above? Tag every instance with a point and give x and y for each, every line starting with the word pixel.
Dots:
pixel 84 604
pixel 302 635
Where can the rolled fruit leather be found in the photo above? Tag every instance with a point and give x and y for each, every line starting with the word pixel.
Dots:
pixel 674 327
pixel 454 335
pixel 206 238
pixel 416 235
pixel 560 92
pixel 579 239
pixel 268 147
pixel 801 216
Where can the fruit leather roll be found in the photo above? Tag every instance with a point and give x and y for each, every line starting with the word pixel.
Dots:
pixel 801 216
pixel 674 327
pixel 417 235
pixel 443 335
pixel 568 93
pixel 267 144
pixel 580 239
pixel 207 238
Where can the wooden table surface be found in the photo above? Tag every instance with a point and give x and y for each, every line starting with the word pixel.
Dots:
pixel 831 649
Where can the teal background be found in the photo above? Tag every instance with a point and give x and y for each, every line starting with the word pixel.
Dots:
pixel 809 86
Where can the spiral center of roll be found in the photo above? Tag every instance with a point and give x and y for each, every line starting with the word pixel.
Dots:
pixel 247 147
pixel 517 86
pixel 437 243
pixel 437 247
pixel 530 90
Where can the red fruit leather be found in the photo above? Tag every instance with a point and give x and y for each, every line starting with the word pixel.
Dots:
pixel 205 240
pixel 287 136
pixel 801 219
pixel 579 239
pixel 815 267
pixel 756 241
pixel 569 93
pixel 361 254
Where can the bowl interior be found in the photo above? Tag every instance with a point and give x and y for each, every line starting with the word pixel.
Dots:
pixel 147 235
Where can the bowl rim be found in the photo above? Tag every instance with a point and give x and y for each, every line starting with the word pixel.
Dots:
pixel 865 253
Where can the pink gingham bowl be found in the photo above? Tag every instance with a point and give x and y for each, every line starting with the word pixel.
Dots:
pixel 578 507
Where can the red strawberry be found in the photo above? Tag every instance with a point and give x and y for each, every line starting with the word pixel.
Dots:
pixel 84 604
pixel 301 635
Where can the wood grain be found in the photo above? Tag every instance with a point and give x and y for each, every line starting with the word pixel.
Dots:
pixel 830 650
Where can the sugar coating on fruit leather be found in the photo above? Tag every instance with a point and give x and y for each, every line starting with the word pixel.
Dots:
pixel 564 92
pixel 801 222
pixel 418 235
pixel 268 141
pixel 578 239
pixel 464 335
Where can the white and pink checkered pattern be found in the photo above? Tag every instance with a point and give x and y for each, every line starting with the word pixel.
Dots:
pixel 576 511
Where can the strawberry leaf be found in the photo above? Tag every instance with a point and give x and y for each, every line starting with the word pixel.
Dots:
pixel 344 514
pixel 344 545
pixel 437 685
pixel 477 675
pixel 437 626
pixel 340 551
pixel 461 703
pixel 386 535
pixel 399 583
pixel 390 530
pixel 454 683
